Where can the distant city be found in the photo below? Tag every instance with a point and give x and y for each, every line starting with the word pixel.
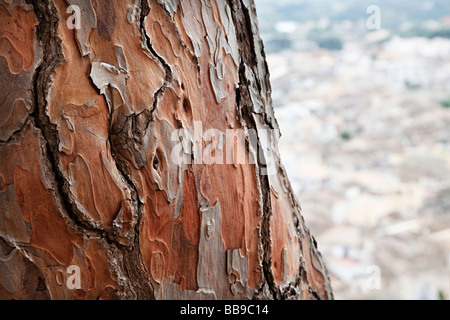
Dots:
pixel 365 119
pixel 330 22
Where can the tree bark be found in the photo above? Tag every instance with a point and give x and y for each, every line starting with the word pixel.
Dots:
pixel 93 107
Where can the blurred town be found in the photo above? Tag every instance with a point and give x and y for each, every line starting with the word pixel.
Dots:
pixel 365 119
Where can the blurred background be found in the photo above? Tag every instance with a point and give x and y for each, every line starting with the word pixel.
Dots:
pixel 364 109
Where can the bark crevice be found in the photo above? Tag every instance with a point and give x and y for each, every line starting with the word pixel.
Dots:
pixel 48 20
pixel 244 104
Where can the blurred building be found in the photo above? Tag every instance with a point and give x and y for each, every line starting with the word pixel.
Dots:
pixel 366 143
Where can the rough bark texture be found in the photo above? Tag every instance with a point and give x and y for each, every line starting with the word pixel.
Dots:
pixel 86 176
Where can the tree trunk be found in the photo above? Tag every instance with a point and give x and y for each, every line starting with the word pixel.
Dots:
pixel 138 156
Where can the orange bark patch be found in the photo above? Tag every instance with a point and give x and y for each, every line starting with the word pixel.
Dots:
pixel 36 201
pixel 285 242
pixel 17 38
pixel 315 277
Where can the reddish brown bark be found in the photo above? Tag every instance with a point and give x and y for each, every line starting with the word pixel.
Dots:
pixel 86 173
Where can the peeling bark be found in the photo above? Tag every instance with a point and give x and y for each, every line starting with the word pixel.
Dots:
pixel 87 176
